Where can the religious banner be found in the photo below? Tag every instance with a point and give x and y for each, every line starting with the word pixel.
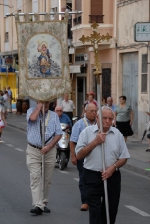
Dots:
pixel 43 57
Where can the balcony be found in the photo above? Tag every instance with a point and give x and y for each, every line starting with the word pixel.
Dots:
pixel 77 20
pixel 96 18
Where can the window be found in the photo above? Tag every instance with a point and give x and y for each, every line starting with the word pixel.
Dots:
pixel 79 58
pixel 144 74
pixel 96 11
pixel 6 37
pixel 78 19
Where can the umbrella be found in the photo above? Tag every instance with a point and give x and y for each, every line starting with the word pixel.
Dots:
pixel 147 128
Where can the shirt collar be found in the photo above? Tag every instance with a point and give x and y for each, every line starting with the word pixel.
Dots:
pixel 88 120
pixel 95 129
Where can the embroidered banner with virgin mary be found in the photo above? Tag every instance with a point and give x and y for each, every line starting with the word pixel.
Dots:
pixel 43 57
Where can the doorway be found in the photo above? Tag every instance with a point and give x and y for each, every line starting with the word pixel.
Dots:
pixel 81 94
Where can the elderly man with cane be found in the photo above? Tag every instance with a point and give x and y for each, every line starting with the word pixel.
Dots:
pixel 89 147
pixel 36 150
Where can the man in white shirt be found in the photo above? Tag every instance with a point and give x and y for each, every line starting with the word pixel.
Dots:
pixel 9 99
pixel 68 106
pixel 116 155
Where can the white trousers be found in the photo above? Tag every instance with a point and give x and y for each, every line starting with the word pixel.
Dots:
pixel 34 164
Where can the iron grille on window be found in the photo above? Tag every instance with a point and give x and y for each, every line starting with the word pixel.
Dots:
pixel 96 18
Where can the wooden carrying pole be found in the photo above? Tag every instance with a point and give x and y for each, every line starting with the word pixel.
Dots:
pixel 43 144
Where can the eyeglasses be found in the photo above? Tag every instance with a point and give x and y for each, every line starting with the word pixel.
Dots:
pixel 58 110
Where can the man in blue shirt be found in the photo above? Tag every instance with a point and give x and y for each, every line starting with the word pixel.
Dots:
pixel 110 103
pixel 63 118
pixel 35 150
pixel 79 126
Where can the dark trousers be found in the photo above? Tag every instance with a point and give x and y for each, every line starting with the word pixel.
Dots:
pixel 95 196
pixel 81 183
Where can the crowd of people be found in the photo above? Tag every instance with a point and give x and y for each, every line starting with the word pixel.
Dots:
pixel 85 149
pixel 5 107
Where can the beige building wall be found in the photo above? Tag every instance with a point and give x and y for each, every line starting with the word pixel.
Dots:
pixel 107 50
pixel 128 16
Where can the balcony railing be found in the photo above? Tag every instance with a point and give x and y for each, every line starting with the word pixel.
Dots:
pixel 96 18
pixel 77 20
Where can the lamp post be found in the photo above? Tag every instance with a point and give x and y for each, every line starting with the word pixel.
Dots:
pixel 95 39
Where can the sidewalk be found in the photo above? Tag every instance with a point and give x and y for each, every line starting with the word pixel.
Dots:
pixel 138 162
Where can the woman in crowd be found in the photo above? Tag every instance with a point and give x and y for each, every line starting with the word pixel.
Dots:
pixel 90 99
pixel 2 119
pixel 123 117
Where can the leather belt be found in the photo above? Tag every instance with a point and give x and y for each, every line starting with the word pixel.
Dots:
pixel 34 146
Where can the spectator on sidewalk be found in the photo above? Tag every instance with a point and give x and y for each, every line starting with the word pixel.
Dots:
pixel 116 154
pixel 9 99
pixel 110 103
pixel 123 117
pixel 148 137
pixel 2 119
pixel 91 99
pixel 6 98
pixel 79 126
pixel 35 150
pixel 68 106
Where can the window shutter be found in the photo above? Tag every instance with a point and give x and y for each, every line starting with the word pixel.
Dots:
pixel 96 7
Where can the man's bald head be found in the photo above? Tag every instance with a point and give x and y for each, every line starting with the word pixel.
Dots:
pixel 91 111
pixel 58 110
pixel 109 101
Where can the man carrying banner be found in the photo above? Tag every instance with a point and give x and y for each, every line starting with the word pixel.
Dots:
pixel 35 151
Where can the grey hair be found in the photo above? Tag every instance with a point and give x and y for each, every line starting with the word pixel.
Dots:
pixel 107 108
pixel 87 105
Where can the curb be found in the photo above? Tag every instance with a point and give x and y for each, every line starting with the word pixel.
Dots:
pixel 137 170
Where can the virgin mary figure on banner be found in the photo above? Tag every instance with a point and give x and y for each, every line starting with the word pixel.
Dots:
pixel 43 58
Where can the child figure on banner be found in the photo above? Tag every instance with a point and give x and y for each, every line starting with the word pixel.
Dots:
pixel 2 118
pixel 44 58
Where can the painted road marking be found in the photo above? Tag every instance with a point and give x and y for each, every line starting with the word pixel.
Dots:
pixel 10 145
pixel 140 212
pixel 77 179
pixel 20 150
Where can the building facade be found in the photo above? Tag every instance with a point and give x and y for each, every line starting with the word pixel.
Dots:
pixel 104 12
pixel 133 60
pixel 8 38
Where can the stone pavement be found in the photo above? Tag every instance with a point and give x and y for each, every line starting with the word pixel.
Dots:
pixel 138 162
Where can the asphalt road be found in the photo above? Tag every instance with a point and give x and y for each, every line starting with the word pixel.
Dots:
pixel 64 198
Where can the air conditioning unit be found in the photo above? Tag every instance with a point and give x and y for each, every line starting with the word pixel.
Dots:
pixel 86 57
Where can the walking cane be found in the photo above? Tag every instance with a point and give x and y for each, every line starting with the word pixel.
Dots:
pixel 43 144
pixel 103 152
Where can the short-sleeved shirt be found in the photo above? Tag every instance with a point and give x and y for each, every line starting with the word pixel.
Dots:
pixel 9 93
pixel 34 131
pixel 123 114
pixel 65 119
pixel 113 107
pixel 68 106
pixel 78 127
pixel 114 147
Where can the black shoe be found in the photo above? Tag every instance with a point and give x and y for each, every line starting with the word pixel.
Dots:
pixel 46 210
pixel 147 150
pixel 36 211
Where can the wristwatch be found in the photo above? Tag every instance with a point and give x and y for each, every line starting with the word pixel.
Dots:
pixel 115 167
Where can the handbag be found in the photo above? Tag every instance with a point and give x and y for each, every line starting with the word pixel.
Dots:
pixel 2 125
